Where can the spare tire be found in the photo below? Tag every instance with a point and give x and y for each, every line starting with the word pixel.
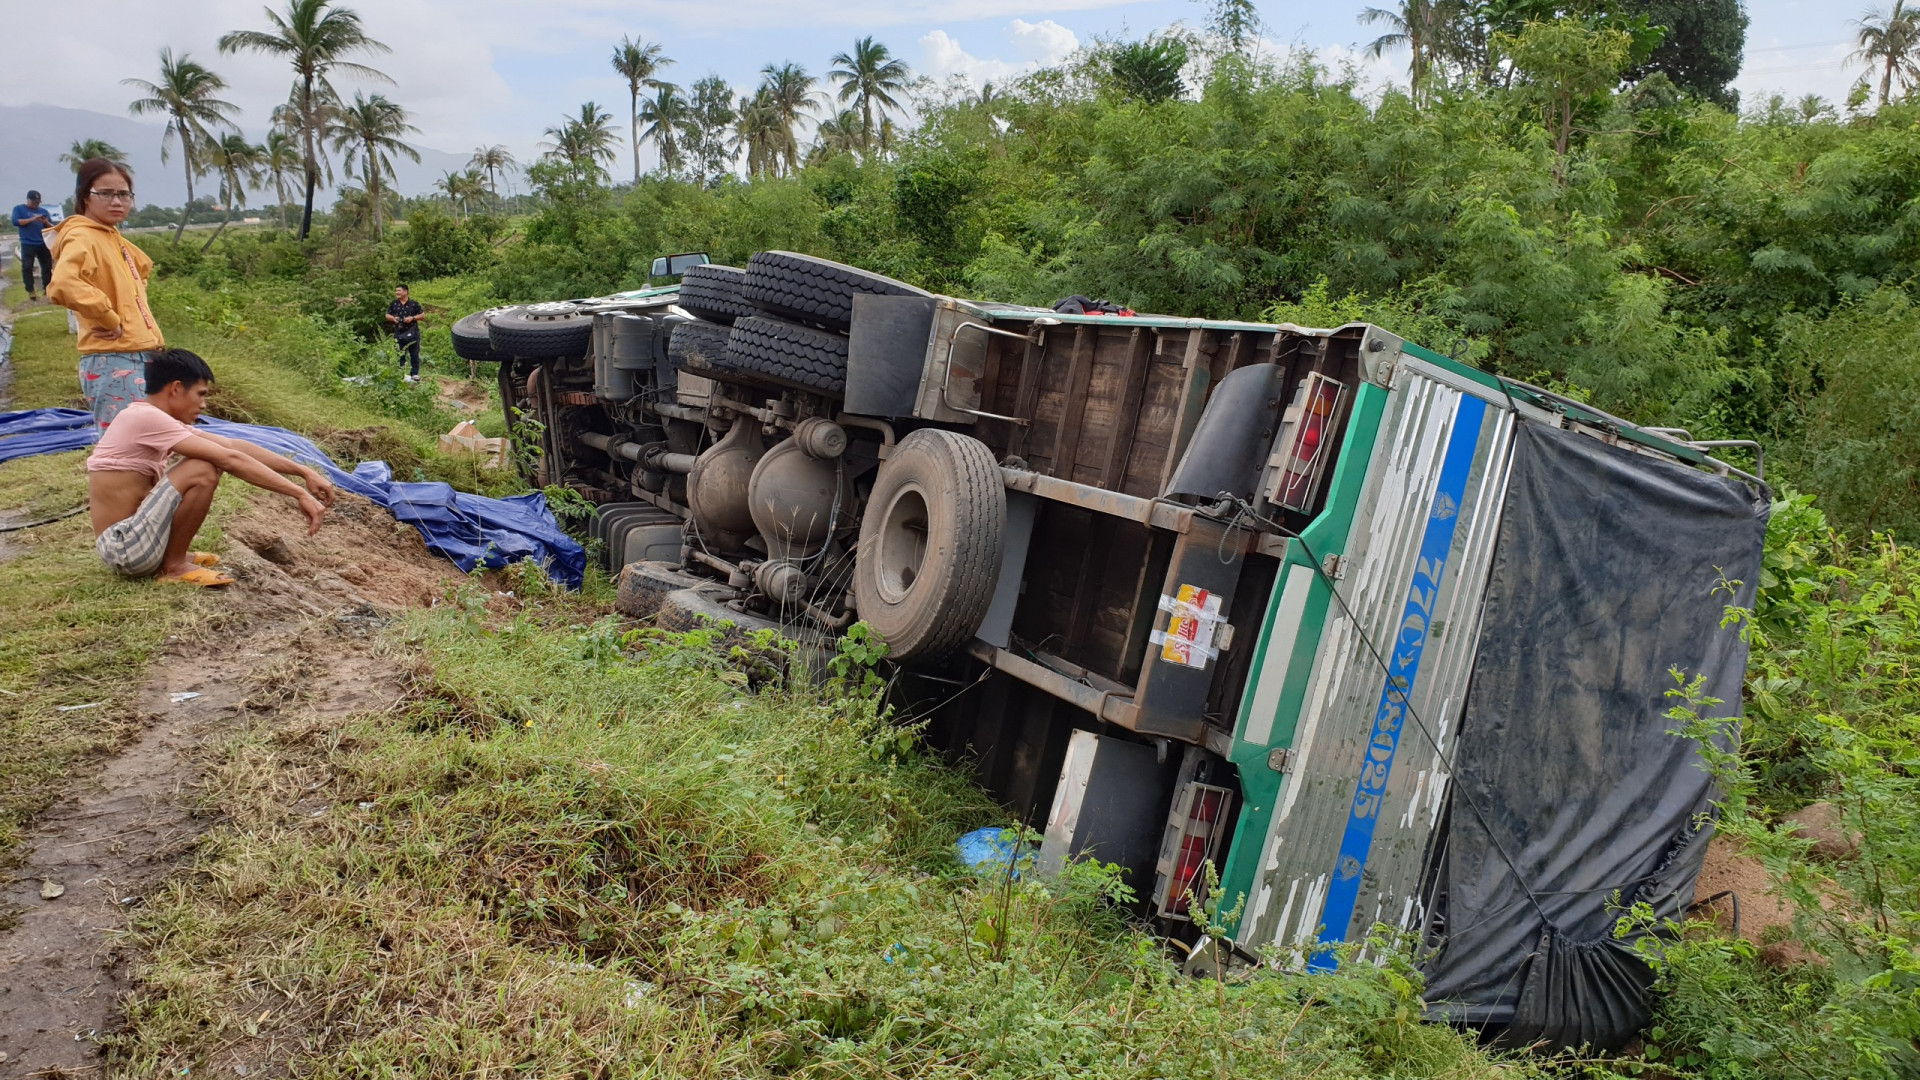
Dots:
pixel 930 544
pixel 788 354
pixel 557 330
pixel 699 347
pixel 814 291
pixel 473 341
pixel 713 293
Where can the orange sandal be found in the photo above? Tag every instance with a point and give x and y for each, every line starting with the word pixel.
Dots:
pixel 202 577
pixel 203 558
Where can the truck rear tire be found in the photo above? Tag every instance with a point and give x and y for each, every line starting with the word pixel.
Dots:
pixel 699 608
pixel 644 586
pixel 788 354
pixel 541 331
pixel 712 293
pixel 473 341
pixel 930 544
pixel 814 291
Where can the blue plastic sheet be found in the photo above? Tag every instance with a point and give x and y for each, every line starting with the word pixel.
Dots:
pixel 44 431
pixel 471 530
pixel 993 851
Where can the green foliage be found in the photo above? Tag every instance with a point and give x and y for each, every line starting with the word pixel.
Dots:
pixel 1833 716
pixel 1149 71
pixel 436 244
pixel 1860 390
pixel 1701 49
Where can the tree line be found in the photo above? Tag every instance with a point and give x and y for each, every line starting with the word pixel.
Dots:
pixel 699 131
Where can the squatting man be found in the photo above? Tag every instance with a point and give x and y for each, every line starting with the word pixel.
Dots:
pixel 145 515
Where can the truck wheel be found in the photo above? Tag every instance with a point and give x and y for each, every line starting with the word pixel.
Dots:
pixel 644 587
pixel 930 544
pixel 789 355
pixel 699 347
pixel 541 331
pixel 472 340
pixel 713 293
pixel 814 291
pixel 697 608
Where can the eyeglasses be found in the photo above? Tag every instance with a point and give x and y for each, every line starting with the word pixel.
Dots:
pixel 112 196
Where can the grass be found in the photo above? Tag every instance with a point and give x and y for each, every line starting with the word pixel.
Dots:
pixel 582 851
pixel 76 634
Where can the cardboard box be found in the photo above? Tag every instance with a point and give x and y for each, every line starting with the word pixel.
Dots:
pixel 466 439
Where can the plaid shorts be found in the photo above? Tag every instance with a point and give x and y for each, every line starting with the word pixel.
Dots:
pixel 111 381
pixel 136 546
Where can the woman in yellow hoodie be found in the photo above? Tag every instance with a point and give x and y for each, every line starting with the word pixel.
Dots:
pixel 102 278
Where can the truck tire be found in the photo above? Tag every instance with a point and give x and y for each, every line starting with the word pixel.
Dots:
pixel 788 354
pixel 473 341
pixel 713 293
pixel 699 608
pixel 541 331
pixel 930 544
pixel 644 586
pixel 814 291
pixel 698 346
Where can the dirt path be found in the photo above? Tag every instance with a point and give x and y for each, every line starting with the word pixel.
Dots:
pixel 296 635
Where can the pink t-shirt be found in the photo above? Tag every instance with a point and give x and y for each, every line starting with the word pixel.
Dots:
pixel 138 440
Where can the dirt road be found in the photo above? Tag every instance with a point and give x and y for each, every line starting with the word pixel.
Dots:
pixel 293 641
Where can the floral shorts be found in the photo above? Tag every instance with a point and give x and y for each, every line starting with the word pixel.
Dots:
pixel 111 381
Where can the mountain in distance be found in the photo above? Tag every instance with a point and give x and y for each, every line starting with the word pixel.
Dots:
pixel 32 138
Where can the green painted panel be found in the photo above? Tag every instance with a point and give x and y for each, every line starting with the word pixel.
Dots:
pixel 1326 535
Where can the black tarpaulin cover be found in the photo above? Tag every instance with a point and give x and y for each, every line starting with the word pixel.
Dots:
pixel 1570 798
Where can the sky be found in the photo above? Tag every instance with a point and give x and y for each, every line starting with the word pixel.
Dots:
pixel 480 72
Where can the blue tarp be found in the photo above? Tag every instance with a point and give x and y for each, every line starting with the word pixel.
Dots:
pixel 472 530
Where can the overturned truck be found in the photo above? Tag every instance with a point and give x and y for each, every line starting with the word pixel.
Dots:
pixel 1384 638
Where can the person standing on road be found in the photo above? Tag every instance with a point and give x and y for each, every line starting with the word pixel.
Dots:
pixel 405 314
pixel 32 221
pixel 102 278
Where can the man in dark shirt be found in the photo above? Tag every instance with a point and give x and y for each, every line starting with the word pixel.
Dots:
pixel 32 221
pixel 405 314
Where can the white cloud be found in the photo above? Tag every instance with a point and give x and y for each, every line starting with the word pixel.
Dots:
pixel 1034 45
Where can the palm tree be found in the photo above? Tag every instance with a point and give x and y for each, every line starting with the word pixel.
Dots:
pixel 85 150
pixel 760 133
pixel 239 165
pixel 839 134
pixel 316 38
pixel 185 96
pixel 583 142
pixel 368 132
pixel 281 161
pixel 636 61
pixel 869 74
pixel 1418 26
pixel 492 160
pixel 1891 39
pixel 462 189
pixel 669 118
pixel 790 91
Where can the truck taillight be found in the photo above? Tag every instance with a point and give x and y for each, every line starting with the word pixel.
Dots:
pixel 1194 831
pixel 1302 449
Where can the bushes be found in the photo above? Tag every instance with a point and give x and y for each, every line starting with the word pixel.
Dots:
pixel 1833 716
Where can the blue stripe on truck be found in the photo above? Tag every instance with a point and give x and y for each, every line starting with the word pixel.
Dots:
pixel 1402 657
